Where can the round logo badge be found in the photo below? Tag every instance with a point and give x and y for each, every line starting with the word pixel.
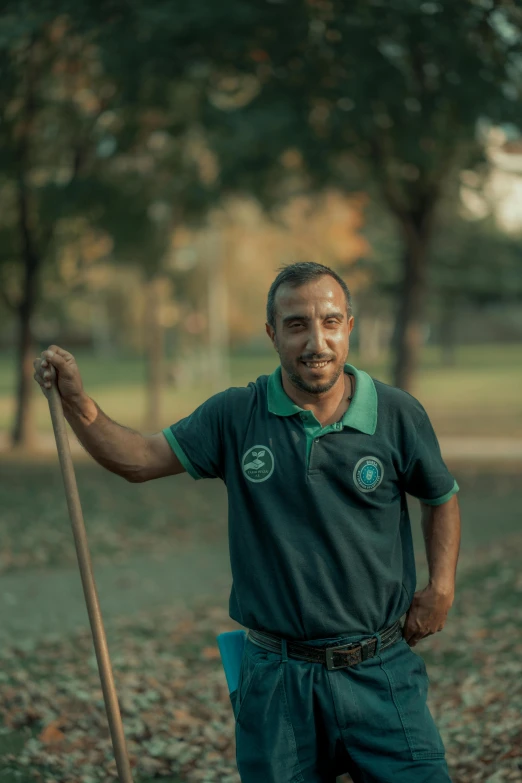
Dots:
pixel 258 463
pixel 368 474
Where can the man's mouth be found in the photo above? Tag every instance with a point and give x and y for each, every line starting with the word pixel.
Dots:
pixel 317 365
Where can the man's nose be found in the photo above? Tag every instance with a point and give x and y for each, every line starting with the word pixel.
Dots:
pixel 316 342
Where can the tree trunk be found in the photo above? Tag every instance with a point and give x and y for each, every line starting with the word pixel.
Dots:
pixel 154 346
pixel 23 430
pixel 100 327
pixel 370 327
pixel 23 434
pixel 408 335
pixel 448 319
pixel 217 303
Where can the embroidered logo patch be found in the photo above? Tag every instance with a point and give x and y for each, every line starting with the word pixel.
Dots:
pixel 258 463
pixel 368 474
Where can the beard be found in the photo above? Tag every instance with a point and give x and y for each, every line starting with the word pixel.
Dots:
pixel 317 387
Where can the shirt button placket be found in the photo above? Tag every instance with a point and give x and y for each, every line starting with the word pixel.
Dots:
pixel 312 461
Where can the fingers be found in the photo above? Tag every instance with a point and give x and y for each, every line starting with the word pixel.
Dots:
pixel 413 640
pixel 42 379
pixel 59 352
pixel 411 634
pixel 45 372
pixel 55 356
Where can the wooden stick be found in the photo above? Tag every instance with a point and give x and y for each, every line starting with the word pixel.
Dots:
pixel 89 588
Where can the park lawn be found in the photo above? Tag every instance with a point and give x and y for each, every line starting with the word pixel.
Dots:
pixel 479 395
pixel 122 519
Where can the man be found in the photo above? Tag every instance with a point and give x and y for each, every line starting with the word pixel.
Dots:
pixel 317 460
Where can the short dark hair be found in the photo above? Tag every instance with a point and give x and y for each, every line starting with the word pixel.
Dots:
pixel 298 274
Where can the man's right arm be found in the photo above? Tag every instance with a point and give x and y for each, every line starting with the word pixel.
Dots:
pixel 121 450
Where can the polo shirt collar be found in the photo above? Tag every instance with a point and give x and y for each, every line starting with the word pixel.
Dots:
pixel 361 413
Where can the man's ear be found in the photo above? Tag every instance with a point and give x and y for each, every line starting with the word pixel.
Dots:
pixel 271 333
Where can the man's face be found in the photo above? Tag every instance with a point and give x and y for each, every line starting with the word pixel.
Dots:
pixel 312 326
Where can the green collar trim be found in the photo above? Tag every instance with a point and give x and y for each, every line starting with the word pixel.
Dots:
pixel 361 413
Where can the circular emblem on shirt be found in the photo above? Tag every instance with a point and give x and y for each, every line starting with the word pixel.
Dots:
pixel 258 463
pixel 368 474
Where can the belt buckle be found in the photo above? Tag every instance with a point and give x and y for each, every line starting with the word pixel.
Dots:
pixel 329 655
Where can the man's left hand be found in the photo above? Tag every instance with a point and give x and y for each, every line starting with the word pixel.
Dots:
pixel 427 614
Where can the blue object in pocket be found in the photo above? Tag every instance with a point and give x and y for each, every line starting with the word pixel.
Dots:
pixel 231 645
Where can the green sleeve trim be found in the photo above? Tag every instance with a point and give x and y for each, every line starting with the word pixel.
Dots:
pixel 444 498
pixel 180 454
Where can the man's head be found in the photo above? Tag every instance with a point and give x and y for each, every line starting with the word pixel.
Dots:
pixel 309 319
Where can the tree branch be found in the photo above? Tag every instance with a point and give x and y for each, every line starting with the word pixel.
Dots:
pixel 387 185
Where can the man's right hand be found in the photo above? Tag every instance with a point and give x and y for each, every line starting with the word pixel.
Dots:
pixel 62 365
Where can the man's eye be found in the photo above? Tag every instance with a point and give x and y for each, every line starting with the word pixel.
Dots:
pixel 332 321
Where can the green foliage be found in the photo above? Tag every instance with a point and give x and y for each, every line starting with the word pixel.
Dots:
pixel 138 118
pixel 477 263
pixel 384 95
pixel 89 140
pixel 400 86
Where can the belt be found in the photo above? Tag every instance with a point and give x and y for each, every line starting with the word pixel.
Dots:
pixel 336 657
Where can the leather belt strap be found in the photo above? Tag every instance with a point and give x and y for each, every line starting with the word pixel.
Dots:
pixel 335 657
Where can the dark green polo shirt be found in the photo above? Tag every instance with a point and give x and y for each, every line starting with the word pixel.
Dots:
pixel 319 532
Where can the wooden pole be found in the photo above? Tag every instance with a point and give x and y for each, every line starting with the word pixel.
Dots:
pixel 89 587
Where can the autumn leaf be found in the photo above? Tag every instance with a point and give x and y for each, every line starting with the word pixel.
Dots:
pixel 52 734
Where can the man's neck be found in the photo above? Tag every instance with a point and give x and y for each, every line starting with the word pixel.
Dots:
pixel 323 406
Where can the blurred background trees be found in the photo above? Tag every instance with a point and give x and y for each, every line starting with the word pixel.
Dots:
pixel 384 96
pixel 159 163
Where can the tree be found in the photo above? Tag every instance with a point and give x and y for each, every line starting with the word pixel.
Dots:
pixel 476 264
pixel 47 133
pixel 386 93
pixel 82 146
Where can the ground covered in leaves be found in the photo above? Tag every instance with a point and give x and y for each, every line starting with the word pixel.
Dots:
pixel 174 700
pixel 121 519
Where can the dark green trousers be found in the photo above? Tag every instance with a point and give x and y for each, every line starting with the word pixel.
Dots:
pixel 297 722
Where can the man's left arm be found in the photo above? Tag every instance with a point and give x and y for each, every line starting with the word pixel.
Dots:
pixel 430 606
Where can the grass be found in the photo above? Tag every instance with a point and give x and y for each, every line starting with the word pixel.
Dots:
pixel 13 743
pixel 479 395
pixel 121 518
